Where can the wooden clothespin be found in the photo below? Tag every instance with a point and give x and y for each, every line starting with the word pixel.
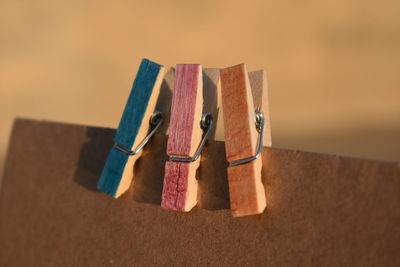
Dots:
pixel 133 131
pixel 243 130
pixel 186 139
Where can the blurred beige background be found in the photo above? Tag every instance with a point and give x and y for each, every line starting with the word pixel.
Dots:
pixel 333 66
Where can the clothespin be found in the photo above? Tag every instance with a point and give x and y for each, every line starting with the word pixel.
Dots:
pixel 243 130
pixel 186 139
pixel 138 124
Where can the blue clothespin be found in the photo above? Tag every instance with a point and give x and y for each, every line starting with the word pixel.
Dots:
pixel 138 124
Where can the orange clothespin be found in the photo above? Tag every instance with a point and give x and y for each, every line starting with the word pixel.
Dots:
pixel 244 129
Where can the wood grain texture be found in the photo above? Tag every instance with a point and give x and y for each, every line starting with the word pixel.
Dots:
pixel 211 97
pixel 259 89
pixel 246 190
pixel 180 184
pixel 237 101
pixel 134 125
pixel 186 109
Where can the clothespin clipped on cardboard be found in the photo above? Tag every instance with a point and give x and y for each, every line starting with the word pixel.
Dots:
pixel 188 131
pixel 244 128
pixel 138 124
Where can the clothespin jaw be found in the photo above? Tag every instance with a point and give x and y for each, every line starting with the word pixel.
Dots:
pixel 185 135
pixel 242 142
pixel 259 89
pixel 138 123
pixel 165 99
pixel 212 99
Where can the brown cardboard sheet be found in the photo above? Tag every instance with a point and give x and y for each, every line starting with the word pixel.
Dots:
pixel 323 210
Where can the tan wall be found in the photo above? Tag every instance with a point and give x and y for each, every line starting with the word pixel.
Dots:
pixel 333 66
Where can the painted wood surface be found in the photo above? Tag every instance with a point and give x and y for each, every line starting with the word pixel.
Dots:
pixel 259 89
pixel 134 125
pixel 237 101
pixel 211 96
pixel 246 190
pixel 180 184
pixel 186 109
